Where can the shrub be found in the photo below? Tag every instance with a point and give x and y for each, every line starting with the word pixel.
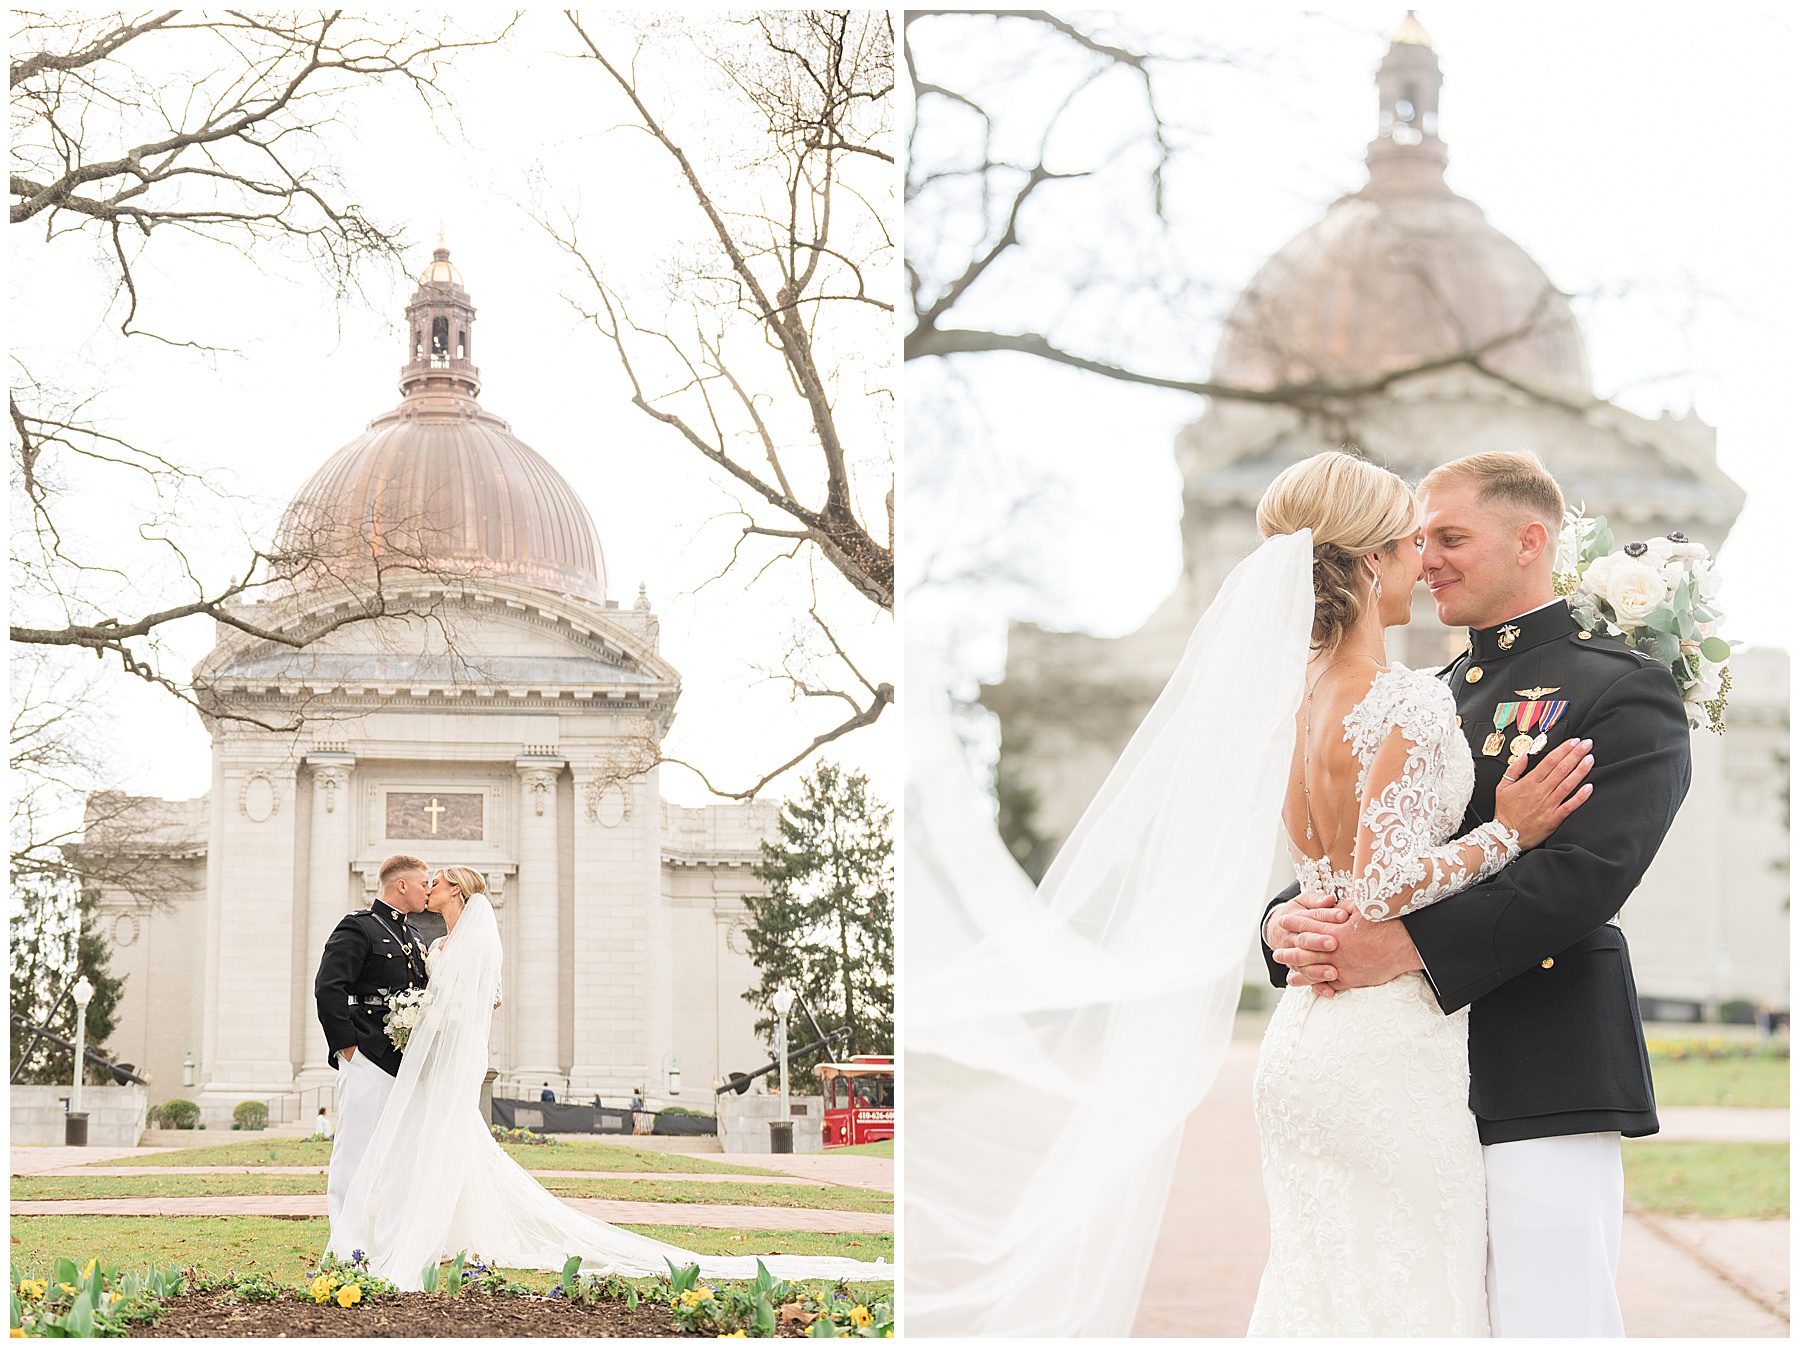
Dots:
pixel 251 1115
pixel 174 1114
pixel 1737 1013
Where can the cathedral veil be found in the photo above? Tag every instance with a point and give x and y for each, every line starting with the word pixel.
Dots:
pixel 434 1182
pixel 1056 1042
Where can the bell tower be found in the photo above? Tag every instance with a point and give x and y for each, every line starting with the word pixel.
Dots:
pixel 440 328
pixel 1406 151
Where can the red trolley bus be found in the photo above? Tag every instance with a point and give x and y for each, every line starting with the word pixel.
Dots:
pixel 859 1099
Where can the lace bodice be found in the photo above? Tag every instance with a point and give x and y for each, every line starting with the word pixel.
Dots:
pixel 1413 785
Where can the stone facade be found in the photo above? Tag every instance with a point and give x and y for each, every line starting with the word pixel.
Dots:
pixel 1398 276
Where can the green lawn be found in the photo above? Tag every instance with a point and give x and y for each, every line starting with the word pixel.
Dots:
pixel 1708 1179
pixel 288 1251
pixel 1755 1082
pixel 775 1195
pixel 576 1155
pixel 866 1149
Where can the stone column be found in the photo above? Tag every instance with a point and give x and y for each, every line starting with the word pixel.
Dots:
pixel 535 993
pixel 328 887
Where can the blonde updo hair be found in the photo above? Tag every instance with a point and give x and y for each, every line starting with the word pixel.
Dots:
pixel 466 879
pixel 1353 508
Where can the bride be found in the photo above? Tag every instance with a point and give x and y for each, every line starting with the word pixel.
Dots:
pixel 1371 1160
pixel 1116 981
pixel 435 1182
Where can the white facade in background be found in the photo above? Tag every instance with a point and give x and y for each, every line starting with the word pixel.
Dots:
pixel 506 721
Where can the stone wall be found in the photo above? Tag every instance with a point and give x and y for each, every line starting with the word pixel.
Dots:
pixel 744 1122
pixel 115 1114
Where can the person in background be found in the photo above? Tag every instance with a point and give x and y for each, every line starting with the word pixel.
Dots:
pixel 547 1096
pixel 322 1124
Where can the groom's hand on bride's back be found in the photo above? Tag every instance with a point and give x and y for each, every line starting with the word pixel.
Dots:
pixel 1330 949
pixel 1305 928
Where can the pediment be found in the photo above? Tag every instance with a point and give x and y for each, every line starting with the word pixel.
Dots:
pixel 492 635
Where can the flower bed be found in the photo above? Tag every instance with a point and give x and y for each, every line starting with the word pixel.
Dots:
pixel 465 1297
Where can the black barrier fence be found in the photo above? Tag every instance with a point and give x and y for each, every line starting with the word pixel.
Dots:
pixel 549 1118
pixel 686 1125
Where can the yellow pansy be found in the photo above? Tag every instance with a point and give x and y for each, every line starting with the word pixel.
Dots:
pixel 18 1332
pixel 88 1272
pixel 349 1295
pixel 859 1316
pixel 736 1334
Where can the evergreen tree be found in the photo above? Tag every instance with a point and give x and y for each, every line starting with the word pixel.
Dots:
pixel 825 927
pixel 47 956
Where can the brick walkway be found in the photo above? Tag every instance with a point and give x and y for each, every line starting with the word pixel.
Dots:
pixel 1677 1277
pixel 861 1172
pixel 681 1177
pixel 726 1216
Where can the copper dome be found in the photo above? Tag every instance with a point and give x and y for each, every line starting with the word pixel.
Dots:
pixel 439 483
pixel 1403 272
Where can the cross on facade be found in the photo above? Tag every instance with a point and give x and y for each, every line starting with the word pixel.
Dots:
pixel 434 810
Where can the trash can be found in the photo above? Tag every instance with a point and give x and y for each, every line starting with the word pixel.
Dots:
pixel 781 1136
pixel 75 1129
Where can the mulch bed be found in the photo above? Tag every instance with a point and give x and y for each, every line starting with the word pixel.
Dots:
pixel 207 1315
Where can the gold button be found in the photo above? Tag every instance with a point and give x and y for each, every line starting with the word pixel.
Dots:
pixel 1584 636
pixel 1548 964
pixel 1474 675
pixel 1459 723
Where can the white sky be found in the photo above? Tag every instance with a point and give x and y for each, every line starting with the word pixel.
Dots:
pixel 537 128
pixel 1645 148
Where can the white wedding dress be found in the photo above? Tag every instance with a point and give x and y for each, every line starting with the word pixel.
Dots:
pixel 434 1182
pixel 1371 1162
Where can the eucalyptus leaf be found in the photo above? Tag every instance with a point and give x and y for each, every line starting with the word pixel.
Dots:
pixel 1715 650
pixel 1600 541
pixel 1661 620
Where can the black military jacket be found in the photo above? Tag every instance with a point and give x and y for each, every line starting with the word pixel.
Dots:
pixel 370 954
pixel 1555 1042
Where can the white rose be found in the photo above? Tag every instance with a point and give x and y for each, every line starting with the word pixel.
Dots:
pixel 1707 580
pixel 1634 588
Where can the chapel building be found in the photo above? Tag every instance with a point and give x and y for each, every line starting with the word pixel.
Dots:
pixel 503 718
pixel 1404 275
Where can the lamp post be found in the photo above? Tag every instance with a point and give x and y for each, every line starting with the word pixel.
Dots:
pixel 781 1132
pixel 75 1128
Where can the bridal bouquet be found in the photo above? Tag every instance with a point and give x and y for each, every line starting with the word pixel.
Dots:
pixel 1658 596
pixel 404 1009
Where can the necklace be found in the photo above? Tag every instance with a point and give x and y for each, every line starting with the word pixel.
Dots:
pixel 1306 736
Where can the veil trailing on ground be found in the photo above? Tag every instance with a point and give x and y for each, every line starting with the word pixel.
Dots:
pixel 1056 1041
pixel 434 1182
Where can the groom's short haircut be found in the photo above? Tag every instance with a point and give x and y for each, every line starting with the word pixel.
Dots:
pixel 399 865
pixel 1517 479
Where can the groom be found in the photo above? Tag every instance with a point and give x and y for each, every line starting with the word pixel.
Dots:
pixel 1558 1069
pixel 370 954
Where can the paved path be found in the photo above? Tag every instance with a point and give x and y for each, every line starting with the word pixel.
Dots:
pixel 1690 1123
pixel 727 1216
pixel 1677 1277
pixel 862 1172
pixel 140 1171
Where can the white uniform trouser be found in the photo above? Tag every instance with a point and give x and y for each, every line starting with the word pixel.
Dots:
pixel 362 1092
pixel 1555 1209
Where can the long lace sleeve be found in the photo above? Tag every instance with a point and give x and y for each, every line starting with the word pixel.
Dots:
pixel 1397 868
